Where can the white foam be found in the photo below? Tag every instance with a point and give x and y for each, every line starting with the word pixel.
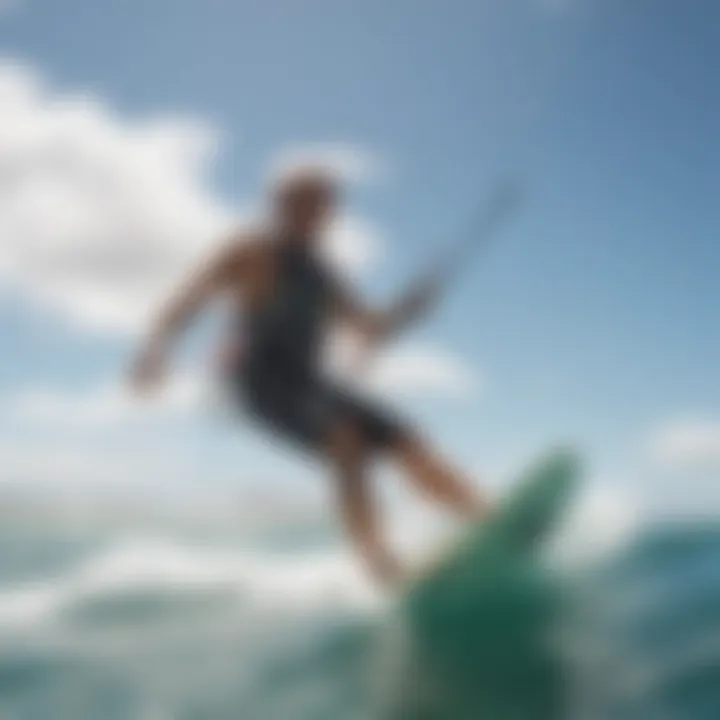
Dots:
pixel 306 583
pixel 603 518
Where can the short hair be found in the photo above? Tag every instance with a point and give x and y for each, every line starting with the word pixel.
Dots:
pixel 299 176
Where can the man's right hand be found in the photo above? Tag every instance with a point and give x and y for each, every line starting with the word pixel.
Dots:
pixel 414 305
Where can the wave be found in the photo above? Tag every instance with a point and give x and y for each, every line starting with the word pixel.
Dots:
pixel 147 568
pixel 172 628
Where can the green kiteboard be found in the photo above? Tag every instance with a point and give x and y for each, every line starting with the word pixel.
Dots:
pixel 472 636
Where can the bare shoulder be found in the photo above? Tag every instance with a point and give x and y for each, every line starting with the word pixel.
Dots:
pixel 243 249
pixel 242 243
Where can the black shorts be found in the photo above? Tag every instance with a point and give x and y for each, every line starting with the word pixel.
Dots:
pixel 305 409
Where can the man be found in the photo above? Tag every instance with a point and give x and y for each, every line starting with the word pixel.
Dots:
pixel 289 299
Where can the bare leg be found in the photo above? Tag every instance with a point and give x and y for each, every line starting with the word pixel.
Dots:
pixel 359 513
pixel 433 476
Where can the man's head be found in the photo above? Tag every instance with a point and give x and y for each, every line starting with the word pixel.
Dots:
pixel 304 198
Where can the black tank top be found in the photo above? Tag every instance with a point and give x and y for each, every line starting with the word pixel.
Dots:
pixel 285 334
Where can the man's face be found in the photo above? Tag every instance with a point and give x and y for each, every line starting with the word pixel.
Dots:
pixel 306 210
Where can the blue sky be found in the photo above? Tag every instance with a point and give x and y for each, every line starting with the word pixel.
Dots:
pixel 592 320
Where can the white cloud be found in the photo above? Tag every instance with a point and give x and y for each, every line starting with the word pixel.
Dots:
pixel 692 443
pixel 104 406
pixel 418 370
pixel 405 370
pixel 100 214
pixel 680 467
pixel 81 463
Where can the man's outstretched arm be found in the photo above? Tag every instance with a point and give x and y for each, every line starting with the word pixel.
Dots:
pixel 201 288
pixel 381 325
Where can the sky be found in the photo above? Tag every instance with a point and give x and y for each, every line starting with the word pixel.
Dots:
pixel 133 132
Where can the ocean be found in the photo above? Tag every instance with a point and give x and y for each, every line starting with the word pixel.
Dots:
pixel 127 616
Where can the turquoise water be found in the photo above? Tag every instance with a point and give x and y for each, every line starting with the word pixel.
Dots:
pixel 130 625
